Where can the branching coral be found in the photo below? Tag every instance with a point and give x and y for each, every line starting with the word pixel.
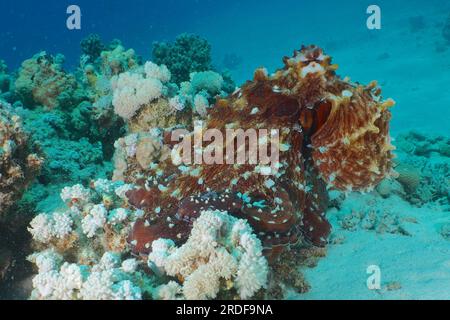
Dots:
pixel 18 164
pixel 90 233
pixel 220 248
pixel 69 156
pixel 146 98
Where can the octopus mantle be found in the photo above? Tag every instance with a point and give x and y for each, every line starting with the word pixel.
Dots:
pixel 335 133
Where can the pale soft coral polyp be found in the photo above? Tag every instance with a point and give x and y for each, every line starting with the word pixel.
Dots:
pixel 132 91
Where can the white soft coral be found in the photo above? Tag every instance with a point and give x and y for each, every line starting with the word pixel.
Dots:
pixel 103 281
pixel 219 247
pixel 132 91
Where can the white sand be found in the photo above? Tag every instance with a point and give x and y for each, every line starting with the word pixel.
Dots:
pixel 420 263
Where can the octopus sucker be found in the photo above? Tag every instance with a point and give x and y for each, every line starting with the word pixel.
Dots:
pixel 334 133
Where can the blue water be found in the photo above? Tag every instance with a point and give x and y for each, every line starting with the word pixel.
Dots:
pixel 260 33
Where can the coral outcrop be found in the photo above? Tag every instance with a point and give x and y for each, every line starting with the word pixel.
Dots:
pixel 81 249
pixel 19 164
pixel 42 81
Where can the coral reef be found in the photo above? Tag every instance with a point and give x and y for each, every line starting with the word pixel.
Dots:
pixel 164 230
pixel 334 134
pixel 96 211
pixel 19 165
pixel 147 99
pixel 188 54
pixel 136 152
pixel 134 90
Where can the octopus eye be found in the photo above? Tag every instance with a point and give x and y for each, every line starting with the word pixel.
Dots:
pixel 322 110
pixel 313 119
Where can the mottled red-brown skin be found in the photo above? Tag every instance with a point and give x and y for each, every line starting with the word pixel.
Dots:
pixel 298 100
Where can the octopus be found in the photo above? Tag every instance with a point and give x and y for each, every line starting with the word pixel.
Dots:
pixel 334 133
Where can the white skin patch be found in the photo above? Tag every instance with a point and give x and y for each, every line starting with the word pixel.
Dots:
pixel 313 67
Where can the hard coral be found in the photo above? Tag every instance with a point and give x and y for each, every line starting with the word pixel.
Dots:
pixel 18 164
pixel 332 133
